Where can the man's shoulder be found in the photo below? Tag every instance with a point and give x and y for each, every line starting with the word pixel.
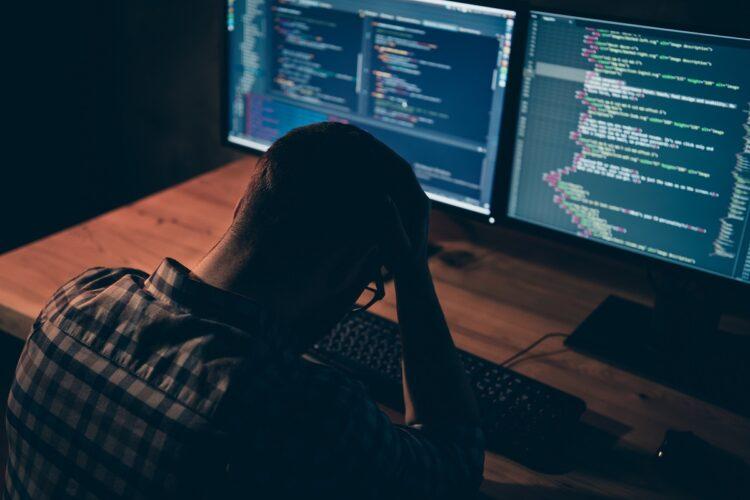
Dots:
pixel 100 277
pixel 108 313
pixel 89 283
pixel 197 361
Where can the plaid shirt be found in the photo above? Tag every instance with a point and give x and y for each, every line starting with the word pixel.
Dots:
pixel 162 386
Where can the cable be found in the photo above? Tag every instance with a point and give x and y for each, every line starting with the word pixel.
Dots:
pixel 535 356
pixel 533 345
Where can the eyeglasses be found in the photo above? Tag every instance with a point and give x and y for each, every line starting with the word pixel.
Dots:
pixel 370 294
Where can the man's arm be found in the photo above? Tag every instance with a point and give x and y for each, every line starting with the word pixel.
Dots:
pixel 436 389
pixel 437 396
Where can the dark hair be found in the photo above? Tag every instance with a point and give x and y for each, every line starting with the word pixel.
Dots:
pixel 317 188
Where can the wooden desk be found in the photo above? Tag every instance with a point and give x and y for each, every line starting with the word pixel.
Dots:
pixel 518 289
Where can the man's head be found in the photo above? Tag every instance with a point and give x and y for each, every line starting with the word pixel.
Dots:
pixel 307 230
pixel 319 189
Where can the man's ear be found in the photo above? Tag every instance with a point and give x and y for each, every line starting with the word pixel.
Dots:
pixel 238 206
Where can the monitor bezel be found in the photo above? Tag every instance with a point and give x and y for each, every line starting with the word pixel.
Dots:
pixel 508 117
pixel 505 172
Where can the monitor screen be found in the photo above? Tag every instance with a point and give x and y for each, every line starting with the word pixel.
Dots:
pixel 637 137
pixel 427 77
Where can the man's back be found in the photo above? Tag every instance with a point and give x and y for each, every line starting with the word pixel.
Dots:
pixel 165 387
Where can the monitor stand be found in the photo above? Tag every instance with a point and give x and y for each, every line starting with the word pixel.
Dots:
pixel 676 343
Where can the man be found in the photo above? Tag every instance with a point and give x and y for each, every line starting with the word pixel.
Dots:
pixel 190 383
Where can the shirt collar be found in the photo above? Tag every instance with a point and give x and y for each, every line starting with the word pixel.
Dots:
pixel 171 282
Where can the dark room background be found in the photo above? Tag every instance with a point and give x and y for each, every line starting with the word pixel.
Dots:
pixel 107 101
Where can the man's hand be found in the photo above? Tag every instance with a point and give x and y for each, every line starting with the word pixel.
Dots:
pixel 407 216
pixel 405 249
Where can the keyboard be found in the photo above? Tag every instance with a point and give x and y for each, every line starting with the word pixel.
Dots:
pixel 523 419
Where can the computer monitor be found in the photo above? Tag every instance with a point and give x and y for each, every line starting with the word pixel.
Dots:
pixel 427 77
pixel 638 138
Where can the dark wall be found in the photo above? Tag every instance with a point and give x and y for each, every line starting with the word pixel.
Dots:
pixel 110 100
pixel 169 59
pixel 54 89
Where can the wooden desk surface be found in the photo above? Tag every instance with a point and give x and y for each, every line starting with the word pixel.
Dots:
pixel 516 290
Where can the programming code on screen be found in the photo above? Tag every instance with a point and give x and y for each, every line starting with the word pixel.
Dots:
pixel 639 138
pixel 426 77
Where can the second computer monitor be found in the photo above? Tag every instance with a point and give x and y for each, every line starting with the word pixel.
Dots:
pixel 639 138
pixel 427 77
